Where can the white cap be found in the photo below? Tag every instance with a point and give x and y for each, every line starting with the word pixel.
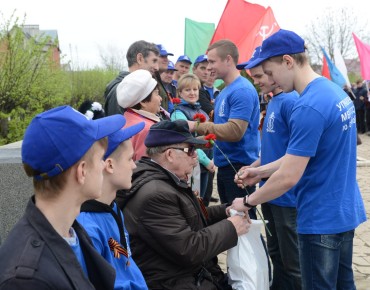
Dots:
pixel 134 88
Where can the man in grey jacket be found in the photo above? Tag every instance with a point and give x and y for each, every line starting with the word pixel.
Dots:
pixel 175 239
pixel 140 55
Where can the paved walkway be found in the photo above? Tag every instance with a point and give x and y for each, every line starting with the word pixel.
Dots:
pixel 361 255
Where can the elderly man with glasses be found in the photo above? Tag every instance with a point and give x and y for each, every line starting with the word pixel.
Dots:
pixel 175 239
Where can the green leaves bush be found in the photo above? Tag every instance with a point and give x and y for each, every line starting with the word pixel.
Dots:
pixel 31 82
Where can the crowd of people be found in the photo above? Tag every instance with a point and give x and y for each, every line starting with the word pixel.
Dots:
pixel 114 205
pixel 359 93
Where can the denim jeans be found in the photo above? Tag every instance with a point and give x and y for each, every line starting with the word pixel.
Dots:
pixel 227 188
pixel 283 246
pixel 326 261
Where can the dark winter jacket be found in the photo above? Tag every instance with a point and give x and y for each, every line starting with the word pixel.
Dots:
pixel 360 92
pixel 111 106
pixel 205 101
pixel 172 239
pixel 35 256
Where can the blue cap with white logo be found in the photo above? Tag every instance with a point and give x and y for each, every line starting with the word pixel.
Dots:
pixel 171 66
pixel 163 51
pixel 184 58
pixel 201 58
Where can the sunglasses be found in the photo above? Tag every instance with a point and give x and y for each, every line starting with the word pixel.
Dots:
pixel 188 150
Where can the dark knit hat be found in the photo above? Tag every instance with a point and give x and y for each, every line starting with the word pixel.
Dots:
pixel 171 132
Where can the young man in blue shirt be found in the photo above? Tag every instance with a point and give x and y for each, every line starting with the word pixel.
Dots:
pixel 320 162
pixel 281 212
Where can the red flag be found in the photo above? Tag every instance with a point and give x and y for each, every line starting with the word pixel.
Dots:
pixel 245 24
pixel 325 68
pixel 364 55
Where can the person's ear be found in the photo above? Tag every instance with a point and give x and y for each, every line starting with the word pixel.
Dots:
pixel 169 154
pixel 81 172
pixel 109 165
pixel 140 58
pixel 143 105
pixel 229 59
pixel 288 60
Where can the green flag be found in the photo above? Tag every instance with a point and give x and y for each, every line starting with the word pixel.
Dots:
pixel 197 37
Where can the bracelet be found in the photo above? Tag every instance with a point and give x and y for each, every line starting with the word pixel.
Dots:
pixel 245 202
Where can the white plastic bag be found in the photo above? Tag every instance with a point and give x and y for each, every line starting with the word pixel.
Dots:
pixel 247 265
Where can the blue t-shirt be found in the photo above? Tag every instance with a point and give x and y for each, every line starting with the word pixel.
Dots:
pixel 238 100
pixel 74 243
pixel 101 226
pixel 275 137
pixel 323 127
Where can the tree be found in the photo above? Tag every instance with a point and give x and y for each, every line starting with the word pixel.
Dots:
pixel 29 80
pixel 113 58
pixel 332 28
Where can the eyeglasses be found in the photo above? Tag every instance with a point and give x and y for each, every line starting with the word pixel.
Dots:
pixel 188 150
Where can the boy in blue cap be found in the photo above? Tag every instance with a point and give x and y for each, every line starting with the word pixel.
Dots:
pixel 182 66
pixel 102 218
pixel 320 161
pixel 280 212
pixel 47 249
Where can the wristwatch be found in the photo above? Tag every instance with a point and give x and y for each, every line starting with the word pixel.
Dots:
pixel 245 202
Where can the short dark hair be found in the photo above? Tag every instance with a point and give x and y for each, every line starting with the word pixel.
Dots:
pixel 140 46
pixel 224 48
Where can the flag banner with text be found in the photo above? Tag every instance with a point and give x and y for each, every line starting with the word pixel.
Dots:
pixel 245 24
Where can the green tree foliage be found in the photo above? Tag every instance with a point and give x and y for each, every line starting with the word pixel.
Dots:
pixel 89 85
pixel 30 82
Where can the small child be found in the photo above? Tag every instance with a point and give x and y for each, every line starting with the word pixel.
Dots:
pixel 102 218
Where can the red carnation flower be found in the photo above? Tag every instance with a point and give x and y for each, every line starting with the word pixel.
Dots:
pixel 176 101
pixel 210 137
pixel 199 117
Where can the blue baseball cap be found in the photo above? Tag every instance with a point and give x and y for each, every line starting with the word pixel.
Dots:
pixel 255 54
pixel 163 51
pixel 171 66
pixel 115 139
pixel 184 58
pixel 56 139
pixel 201 58
pixel 242 65
pixel 254 61
pixel 280 43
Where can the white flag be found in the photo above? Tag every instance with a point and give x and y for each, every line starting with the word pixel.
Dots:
pixel 340 64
